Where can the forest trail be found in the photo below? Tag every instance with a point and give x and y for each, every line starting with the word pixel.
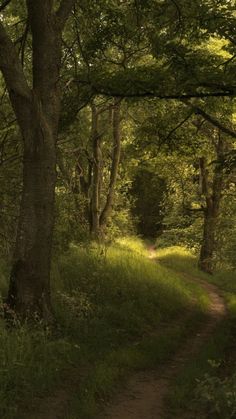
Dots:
pixel 143 396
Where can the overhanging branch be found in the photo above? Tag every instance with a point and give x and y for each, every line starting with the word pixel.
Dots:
pixel 165 97
pixel 212 120
pixel 136 94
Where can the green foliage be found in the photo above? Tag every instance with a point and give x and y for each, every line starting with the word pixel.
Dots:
pixel 216 397
pixel 186 233
pixel 148 191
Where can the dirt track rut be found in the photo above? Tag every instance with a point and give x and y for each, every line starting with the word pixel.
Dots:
pixel 143 396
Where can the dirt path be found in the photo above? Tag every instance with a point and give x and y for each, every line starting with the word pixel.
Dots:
pixel 143 396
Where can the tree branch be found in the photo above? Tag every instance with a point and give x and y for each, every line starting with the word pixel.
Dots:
pixel 11 67
pixel 212 120
pixel 114 92
pixel 179 125
pixel 4 4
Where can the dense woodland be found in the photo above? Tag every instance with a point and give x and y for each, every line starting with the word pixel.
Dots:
pixel 117 135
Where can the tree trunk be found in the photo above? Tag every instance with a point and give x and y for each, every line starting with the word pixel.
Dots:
pixel 206 260
pixel 212 209
pixel 29 291
pixel 114 166
pixel 96 180
pixel 37 111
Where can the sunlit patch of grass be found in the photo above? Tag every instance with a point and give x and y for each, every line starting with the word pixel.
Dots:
pixel 177 258
pixel 181 259
pixel 133 244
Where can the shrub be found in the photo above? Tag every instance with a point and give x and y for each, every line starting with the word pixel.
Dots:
pixel 216 396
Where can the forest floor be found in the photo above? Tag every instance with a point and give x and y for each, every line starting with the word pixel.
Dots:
pixel 144 395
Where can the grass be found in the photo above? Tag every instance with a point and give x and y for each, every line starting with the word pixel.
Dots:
pixel 201 373
pixel 182 397
pixel 117 312
pixel 181 259
pixel 127 297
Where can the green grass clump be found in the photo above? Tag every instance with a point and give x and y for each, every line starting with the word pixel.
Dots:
pixel 31 363
pixel 133 244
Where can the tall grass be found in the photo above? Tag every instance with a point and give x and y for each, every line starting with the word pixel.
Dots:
pixel 117 311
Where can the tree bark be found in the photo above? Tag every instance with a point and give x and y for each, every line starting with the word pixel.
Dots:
pixel 29 291
pixel 99 217
pixel 96 180
pixel 37 111
pixel 114 166
pixel 211 210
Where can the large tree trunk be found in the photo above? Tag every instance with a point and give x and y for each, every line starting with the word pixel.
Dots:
pixel 212 209
pixel 37 111
pixel 29 290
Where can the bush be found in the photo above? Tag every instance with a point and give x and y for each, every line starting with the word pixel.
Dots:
pixel 216 396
